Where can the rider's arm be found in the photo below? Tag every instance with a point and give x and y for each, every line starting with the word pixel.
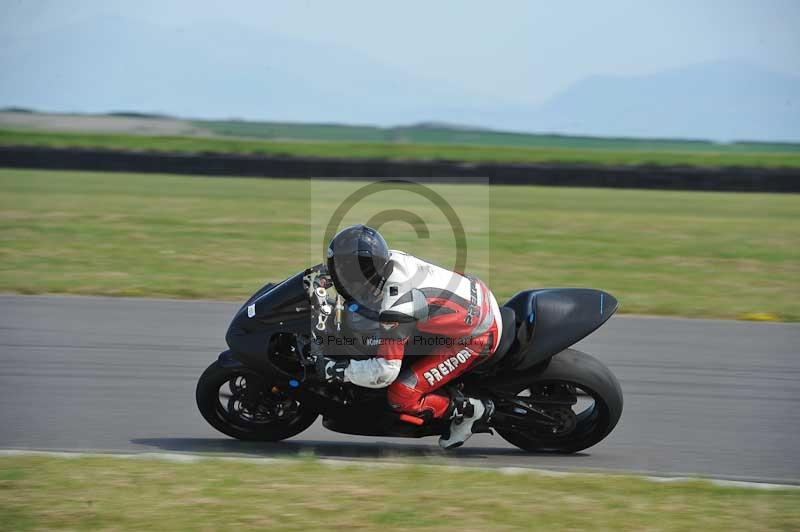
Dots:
pixel 375 372
pixel 401 309
pixel 382 370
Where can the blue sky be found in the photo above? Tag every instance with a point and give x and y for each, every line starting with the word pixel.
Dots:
pixel 486 45
pixel 515 54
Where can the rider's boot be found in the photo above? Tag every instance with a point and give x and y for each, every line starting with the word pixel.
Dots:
pixel 469 416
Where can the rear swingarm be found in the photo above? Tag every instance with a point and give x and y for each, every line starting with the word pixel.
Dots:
pixel 512 413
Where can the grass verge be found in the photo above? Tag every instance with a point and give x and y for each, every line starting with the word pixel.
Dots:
pixel 713 155
pixel 724 255
pixel 114 493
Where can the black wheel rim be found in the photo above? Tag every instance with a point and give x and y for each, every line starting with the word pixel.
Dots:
pixel 249 403
pixel 568 423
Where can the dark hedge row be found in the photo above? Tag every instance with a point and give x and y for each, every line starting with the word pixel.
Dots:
pixel 646 177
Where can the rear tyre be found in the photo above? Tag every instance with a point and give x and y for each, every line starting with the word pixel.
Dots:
pixel 584 377
pixel 242 404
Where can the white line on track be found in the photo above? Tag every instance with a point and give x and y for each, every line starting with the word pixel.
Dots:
pixel 193 458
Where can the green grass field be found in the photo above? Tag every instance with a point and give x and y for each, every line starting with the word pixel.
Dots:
pixel 441 134
pixel 38 493
pixel 722 255
pixel 434 147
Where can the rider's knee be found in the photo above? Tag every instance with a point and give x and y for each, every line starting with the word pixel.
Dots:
pixel 403 398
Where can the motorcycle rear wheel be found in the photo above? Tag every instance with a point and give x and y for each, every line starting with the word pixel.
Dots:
pixel 580 372
pixel 252 415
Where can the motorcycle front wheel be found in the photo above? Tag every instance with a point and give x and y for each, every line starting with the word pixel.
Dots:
pixel 242 404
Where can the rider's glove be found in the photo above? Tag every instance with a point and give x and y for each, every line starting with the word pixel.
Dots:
pixel 331 370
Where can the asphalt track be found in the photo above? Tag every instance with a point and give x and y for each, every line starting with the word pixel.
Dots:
pixel 702 397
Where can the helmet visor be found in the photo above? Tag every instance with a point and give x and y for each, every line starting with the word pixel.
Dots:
pixel 358 277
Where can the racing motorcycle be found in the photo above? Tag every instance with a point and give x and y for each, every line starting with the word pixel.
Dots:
pixel 548 397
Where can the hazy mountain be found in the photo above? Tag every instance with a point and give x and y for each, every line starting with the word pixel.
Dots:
pixel 211 71
pixel 112 63
pixel 720 101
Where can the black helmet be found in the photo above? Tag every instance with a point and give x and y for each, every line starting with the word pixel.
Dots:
pixel 357 262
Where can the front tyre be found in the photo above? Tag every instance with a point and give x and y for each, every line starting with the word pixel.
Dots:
pixel 580 395
pixel 242 404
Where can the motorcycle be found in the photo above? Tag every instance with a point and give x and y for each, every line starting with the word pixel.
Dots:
pixel 548 397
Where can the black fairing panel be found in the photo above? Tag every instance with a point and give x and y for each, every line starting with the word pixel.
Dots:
pixel 273 309
pixel 285 301
pixel 553 319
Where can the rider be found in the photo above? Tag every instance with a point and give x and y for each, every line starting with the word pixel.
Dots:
pixel 406 294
